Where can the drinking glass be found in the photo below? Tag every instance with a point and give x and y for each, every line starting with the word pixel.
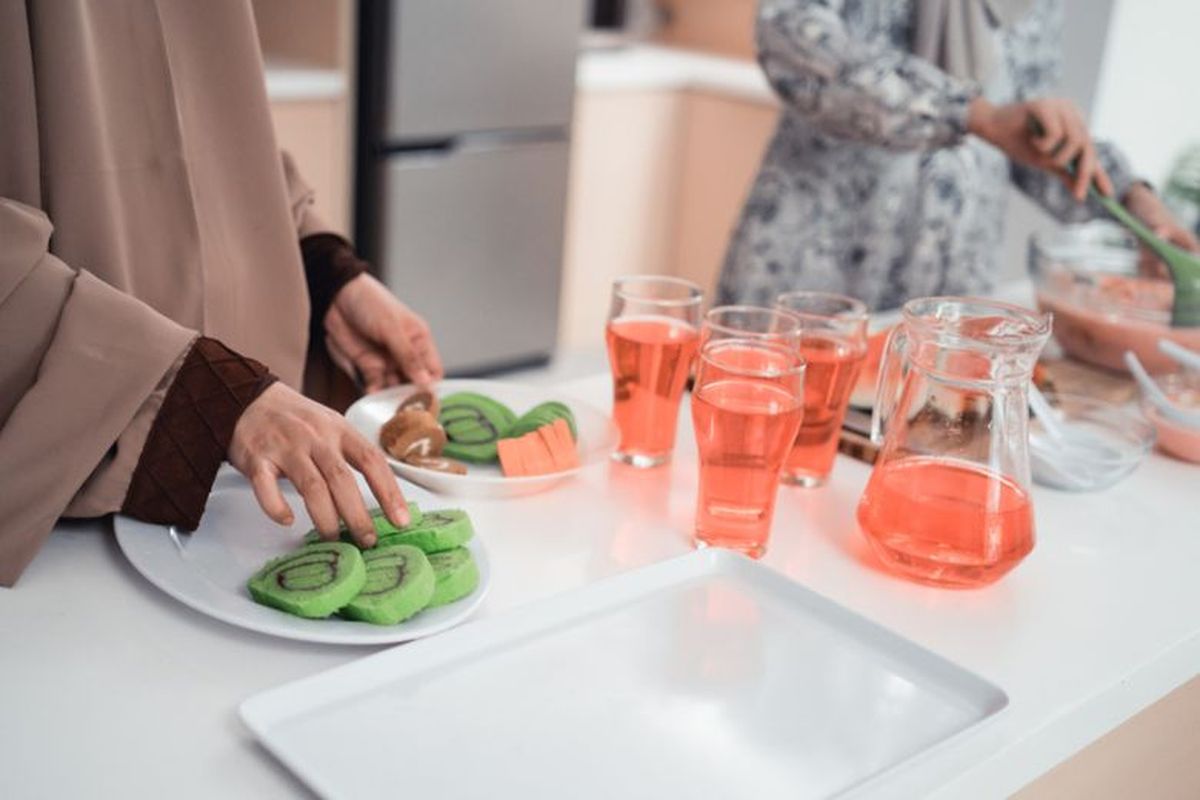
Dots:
pixel 652 336
pixel 746 408
pixel 833 342
pixel 751 322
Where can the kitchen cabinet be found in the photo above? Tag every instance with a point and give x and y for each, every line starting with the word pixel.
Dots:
pixel 624 177
pixel 314 132
pixel 723 140
pixel 660 166
pixel 308 52
pixel 725 27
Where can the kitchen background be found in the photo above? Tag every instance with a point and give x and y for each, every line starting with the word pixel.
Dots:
pixel 500 161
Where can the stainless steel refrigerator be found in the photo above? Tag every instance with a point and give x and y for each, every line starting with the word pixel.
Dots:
pixel 464 110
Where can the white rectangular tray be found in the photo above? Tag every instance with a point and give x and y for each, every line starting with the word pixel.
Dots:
pixel 706 676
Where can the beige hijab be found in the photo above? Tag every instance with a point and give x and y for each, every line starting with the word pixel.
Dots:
pixel 959 35
pixel 142 200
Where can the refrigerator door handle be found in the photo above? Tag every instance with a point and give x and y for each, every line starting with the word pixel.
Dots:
pixel 476 142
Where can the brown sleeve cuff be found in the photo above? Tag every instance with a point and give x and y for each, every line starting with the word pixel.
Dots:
pixel 329 264
pixel 190 436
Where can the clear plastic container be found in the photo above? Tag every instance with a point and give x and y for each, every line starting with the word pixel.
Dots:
pixel 1106 443
pixel 1175 438
pixel 1087 276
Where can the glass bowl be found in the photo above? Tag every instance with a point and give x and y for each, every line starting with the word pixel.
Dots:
pixel 1087 276
pixel 1175 438
pixel 1107 442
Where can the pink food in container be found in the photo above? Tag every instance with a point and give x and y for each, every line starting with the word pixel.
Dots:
pixel 1175 438
pixel 1087 276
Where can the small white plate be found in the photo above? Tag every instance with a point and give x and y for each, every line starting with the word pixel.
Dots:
pixel 597 438
pixel 709 675
pixel 208 569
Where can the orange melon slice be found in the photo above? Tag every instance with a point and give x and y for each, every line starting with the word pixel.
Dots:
pixel 550 448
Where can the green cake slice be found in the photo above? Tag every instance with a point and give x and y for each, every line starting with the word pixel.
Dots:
pixel 473 424
pixel 456 574
pixel 313 582
pixel 400 581
pixel 383 526
pixel 439 530
pixel 540 416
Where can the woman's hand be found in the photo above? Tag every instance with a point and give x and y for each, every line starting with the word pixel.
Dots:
pixel 283 434
pixel 370 332
pixel 1065 139
pixel 1144 204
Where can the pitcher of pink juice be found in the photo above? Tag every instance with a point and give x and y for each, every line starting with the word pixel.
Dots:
pixel 948 501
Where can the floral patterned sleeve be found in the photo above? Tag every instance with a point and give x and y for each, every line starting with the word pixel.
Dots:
pixel 1034 52
pixel 865 91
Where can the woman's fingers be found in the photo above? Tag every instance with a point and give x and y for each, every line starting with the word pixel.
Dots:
pixel 1051 125
pixel 354 354
pixel 368 460
pixel 1074 138
pixel 1075 154
pixel 375 371
pixel 400 344
pixel 1103 182
pixel 311 484
pixel 283 434
pixel 265 480
pixel 1084 169
pixel 427 351
pixel 1178 236
pixel 344 491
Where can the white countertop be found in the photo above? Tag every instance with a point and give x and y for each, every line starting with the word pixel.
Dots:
pixel 645 67
pixel 291 81
pixel 635 67
pixel 110 687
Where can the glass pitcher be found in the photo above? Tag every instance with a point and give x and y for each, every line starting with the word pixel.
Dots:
pixel 948 501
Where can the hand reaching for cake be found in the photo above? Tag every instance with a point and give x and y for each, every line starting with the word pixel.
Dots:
pixel 371 333
pixel 283 434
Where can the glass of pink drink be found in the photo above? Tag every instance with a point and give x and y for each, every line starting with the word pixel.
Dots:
pixel 746 408
pixel 770 325
pixel 833 342
pixel 653 333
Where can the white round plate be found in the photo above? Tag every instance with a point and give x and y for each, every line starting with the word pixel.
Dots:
pixel 597 438
pixel 208 569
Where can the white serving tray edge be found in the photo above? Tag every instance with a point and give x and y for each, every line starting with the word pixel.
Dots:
pixel 268 709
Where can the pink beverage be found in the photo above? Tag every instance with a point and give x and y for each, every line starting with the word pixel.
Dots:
pixel 833 341
pixel 946 522
pixel 834 363
pixel 744 426
pixel 651 358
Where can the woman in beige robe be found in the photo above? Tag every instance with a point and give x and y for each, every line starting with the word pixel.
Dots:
pixel 151 282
